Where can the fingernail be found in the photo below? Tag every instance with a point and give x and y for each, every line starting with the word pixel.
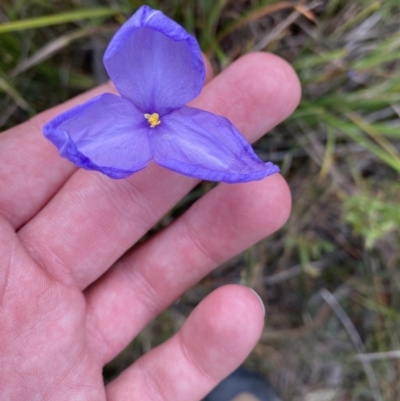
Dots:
pixel 261 301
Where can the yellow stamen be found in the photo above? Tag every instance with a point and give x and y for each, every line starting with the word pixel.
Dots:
pixel 153 119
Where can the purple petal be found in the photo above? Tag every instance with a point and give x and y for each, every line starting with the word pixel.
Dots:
pixel 155 63
pixel 106 134
pixel 206 146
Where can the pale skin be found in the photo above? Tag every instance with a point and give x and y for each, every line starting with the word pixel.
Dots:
pixel 71 298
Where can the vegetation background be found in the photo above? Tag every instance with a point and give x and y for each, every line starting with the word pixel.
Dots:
pixel 331 277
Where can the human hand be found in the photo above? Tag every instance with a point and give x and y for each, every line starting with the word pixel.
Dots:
pixel 71 298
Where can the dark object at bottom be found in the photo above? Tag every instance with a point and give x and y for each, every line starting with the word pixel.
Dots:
pixel 243 381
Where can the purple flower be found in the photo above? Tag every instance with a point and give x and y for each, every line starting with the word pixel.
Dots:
pixel 157 67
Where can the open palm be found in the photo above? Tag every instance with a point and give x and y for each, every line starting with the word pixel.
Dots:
pixel 71 297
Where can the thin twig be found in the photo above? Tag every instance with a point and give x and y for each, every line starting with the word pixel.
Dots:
pixel 262 12
pixel 53 47
pixel 7 113
pixel 378 356
pixel 300 9
pixel 277 31
pixel 355 338
pixel 298 269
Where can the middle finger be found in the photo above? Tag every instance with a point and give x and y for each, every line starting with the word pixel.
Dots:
pixel 93 220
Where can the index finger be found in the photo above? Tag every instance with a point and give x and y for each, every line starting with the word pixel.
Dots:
pixel 31 168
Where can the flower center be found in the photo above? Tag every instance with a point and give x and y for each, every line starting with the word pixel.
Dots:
pixel 153 119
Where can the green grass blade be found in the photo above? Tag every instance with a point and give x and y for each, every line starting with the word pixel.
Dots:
pixel 56 19
pixel 14 94
pixel 362 140
pixel 51 48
